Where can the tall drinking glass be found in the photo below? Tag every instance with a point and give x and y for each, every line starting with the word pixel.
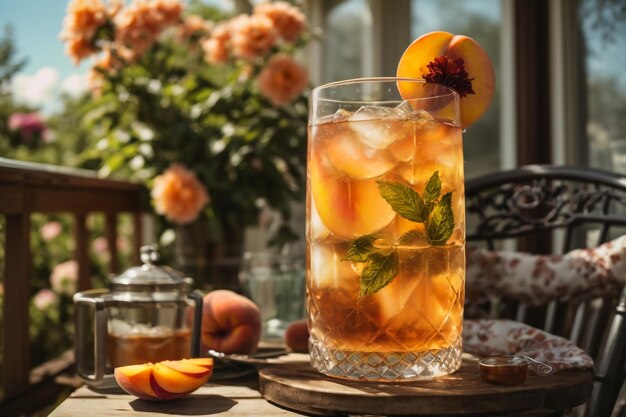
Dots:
pixel 385 230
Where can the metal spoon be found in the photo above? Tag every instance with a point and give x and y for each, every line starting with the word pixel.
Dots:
pixel 540 368
pixel 262 358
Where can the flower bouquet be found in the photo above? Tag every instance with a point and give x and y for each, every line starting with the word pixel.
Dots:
pixel 210 112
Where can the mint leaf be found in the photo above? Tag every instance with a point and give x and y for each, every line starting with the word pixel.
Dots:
pixel 361 249
pixel 432 191
pixel 381 263
pixel 412 237
pixel 441 221
pixel 403 200
pixel 379 272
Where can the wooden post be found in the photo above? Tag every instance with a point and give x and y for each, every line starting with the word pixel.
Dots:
pixel 81 253
pixel 16 322
pixel 532 64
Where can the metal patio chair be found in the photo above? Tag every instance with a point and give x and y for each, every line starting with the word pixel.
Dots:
pixel 565 208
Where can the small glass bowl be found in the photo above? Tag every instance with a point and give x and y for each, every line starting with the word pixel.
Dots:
pixel 503 370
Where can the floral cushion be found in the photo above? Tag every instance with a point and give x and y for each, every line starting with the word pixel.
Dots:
pixel 506 337
pixel 538 279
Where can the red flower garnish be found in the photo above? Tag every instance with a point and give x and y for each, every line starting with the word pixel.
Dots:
pixel 444 70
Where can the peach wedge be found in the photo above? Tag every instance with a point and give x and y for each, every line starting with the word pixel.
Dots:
pixel 165 380
pixel 347 207
pixel 418 58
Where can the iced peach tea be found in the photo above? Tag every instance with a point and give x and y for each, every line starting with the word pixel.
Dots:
pixel 385 234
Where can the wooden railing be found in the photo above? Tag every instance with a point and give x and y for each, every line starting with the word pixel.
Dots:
pixel 27 188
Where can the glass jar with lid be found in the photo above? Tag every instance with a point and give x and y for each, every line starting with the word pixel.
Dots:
pixel 149 313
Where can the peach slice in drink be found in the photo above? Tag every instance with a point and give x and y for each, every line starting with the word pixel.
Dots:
pixel 316 228
pixel 349 208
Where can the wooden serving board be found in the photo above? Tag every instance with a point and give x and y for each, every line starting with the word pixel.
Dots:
pixel 300 387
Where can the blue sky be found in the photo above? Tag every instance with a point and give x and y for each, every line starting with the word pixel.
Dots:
pixel 36 26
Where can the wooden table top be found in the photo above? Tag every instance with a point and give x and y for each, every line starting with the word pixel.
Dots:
pixel 296 385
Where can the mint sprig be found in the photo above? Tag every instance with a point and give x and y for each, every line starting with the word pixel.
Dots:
pixel 404 200
pixel 361 249
pixel 431 209
pixel 441 221
pixel 379 272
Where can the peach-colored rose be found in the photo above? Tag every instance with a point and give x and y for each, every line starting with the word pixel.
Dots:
pixel 45 299
pixel 78 48
pixel 288 20
pixel 63 278
pixel 282 79
pixel 134 29
pixel 252 36
pixel 179 195
pixel 193 27
pixel 82 20
pixel 138 25
pixel 50 230
pixel 169 11
pixel 114 8
pixel 221 31
pixel 215 51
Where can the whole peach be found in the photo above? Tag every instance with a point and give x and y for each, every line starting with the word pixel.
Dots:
pixel 297 336
pixel 231 323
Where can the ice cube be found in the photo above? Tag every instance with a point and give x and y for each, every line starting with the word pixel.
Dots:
pixel 393 298
pixel 339 116
pixel 354 158
pixel 328 270
pixel 379 127
pixel 407 110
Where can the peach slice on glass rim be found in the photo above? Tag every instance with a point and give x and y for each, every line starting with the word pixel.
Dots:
pixel 457 61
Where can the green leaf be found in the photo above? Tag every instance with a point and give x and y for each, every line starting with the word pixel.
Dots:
pixel 432 191
pixel 403 200
pixel 361 249
pixel 379 272
pixel 412 237
pixel 441 221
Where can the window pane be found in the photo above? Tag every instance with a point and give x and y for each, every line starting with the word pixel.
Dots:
pixel 478 19
pixel 347 27
pixel 604 33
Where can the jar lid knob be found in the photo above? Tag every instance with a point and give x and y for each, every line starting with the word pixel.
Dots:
pixel 149 254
